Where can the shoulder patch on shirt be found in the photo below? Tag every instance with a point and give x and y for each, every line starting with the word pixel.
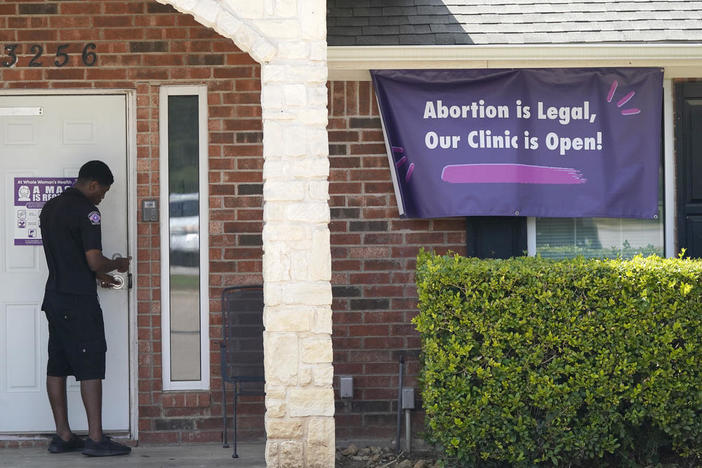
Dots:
pixel 94 217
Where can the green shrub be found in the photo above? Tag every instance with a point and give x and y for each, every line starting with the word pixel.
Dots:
pixel 531 361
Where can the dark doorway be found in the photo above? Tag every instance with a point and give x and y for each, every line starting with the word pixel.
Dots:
pixel 496 236
pixel 688 137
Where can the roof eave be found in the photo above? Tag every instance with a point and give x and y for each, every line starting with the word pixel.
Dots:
pixel 680 60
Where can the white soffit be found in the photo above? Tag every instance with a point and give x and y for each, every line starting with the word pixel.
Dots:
pixel 353 62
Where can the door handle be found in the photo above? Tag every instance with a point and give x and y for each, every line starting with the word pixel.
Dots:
pixel 120 282
pixel 120 279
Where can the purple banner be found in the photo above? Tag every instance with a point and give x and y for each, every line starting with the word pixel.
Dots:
pixel 528 142
pixel 31 193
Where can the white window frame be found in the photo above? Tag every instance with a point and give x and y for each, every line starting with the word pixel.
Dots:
pixel 668 181
pixel 204 382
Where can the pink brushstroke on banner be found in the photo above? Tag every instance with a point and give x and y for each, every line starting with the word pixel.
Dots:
pixel 510 174
pixel 626 98
pixel 612 89
pixel 632 111
pixel 410 170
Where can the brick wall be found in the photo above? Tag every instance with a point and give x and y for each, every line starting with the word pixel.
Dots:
pixel 141 45
pixel 373 260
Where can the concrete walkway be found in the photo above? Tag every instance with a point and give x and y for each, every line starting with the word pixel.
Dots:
pixel 251 455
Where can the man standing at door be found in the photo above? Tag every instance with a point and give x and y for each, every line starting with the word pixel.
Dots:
pixel 71 234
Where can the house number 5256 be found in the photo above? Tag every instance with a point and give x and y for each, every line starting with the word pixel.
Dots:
pixel 61 58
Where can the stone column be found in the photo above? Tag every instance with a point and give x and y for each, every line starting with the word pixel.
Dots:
pixel 288 38
pixel 297 260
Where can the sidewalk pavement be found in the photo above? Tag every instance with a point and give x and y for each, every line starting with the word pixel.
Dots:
pixel 251 455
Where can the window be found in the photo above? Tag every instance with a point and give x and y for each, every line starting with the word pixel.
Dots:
pixel 612 237
pixel 598 237
pixel 184 247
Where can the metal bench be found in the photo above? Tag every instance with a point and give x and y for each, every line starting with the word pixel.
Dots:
pixel 242 347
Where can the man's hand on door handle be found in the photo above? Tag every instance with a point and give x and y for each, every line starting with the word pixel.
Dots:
pixel 106 281
pixel 98 263
pixel 123 264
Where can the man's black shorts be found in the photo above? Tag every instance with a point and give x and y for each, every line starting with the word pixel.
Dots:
pixel 76 336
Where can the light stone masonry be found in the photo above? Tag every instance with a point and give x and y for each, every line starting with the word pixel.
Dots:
pixel 263 50
pixel 315 454
pixel 318 50
pixel 295 95
pixel 320 263
pixel 294 142
pixel 316 350
pixel 318 190
pixel 309 211
pixel 206 11
pixel 299 266
pixel 314 117
pixel 269 7
pixel 274 213
pixel 295 49
pixel 286 8
pixel 290 319
pixel 310 168
pixel 290 232
pixel 294 73
pixel 291 454
pixel 285 429
pixel 288 39
pixel 305 376
pixel 311 401
pixel 273 96
pixel 280 352
pixel 275 408
pixel 322 322
pixel 318 142
pixel 279 269
pixel 313 19
pixel 284 28
pixel 323 376
pixel 318 449
pixel 245 9
pixel 311 293
pixel 280 191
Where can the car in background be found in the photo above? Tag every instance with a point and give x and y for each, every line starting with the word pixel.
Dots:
pixel 184 222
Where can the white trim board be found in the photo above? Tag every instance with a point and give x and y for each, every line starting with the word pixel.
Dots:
pixel 669 187
pixel 353 62
pixel 133 210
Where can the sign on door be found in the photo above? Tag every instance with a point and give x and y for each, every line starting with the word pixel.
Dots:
pixel 31 193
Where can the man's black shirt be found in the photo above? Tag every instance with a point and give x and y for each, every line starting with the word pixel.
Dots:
pixel 70 226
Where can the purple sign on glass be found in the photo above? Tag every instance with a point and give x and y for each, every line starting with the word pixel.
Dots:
pixel 31 193
pixel 528 142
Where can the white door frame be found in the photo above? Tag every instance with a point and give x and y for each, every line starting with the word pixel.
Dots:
pixel 132 212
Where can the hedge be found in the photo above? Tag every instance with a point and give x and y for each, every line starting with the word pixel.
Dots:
pixel 536 362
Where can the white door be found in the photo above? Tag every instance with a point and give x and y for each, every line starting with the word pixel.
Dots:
pixel 52 137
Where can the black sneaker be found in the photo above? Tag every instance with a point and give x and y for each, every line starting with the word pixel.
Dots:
pixel 58 445
pixel 105 448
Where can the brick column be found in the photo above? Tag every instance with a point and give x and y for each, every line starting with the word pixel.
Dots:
pixel 288 38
